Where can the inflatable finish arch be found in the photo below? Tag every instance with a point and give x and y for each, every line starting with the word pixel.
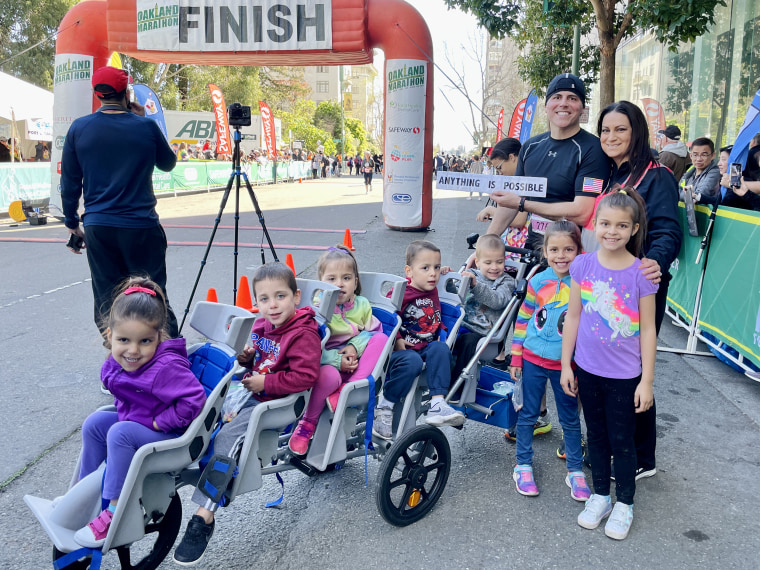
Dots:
pixel 268 32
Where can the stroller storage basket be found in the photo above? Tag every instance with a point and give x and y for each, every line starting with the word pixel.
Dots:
pixel 504 415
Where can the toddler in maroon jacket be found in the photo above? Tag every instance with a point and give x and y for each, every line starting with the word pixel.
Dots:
pixel 283 359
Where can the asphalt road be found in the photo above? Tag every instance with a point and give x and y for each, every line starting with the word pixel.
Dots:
pixel 698 511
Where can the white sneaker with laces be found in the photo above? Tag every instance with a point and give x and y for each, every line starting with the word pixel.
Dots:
pixel 382 425
pixel 441 414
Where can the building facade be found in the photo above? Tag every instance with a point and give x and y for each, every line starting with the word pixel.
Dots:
pixel 704 87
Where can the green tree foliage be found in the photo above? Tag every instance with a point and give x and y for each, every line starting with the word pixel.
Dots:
pixel 300 120
pixel 328 117
pixel 672 22
pixel 24 23
pixel 555 34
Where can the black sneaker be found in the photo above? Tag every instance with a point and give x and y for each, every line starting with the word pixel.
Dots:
pixel 561 449
pixel 197 536
pixel 542 426
pixel 500 364
pixel 641 472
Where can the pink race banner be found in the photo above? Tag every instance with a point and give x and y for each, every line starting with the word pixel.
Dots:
pixel 499 125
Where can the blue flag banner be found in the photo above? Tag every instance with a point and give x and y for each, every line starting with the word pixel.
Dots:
pixel 153 110
pixel 750 128
pixel 528 114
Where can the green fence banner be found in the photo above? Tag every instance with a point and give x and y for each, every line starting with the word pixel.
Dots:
pixel 682 292
pixel 23 181
pixel 731 290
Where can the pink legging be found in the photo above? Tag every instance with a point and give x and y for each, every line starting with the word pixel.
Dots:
pixel 330 379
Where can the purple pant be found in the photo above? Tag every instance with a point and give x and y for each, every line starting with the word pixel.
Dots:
pixel 105 437
pixel 330 379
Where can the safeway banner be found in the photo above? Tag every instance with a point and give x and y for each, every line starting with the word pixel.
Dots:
pixel 267 123
pixel 499 125
pixel 655 118
pixel 223 145
pixel 515 125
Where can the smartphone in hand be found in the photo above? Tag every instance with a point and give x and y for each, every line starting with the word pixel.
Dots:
pixel 736 174
pixel 75 242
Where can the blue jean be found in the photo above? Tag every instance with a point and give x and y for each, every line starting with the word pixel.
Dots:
pixel 534 386
pixel 103 435
pixel 611 423
pixel 406 365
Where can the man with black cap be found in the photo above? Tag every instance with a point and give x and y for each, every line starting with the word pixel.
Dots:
pixel 674 154
pixel 576 170
pixel 108 157
pixel 570 158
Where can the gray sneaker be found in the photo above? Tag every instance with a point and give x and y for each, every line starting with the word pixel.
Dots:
pixel 620 521
pixel 597 508
pixel 441 414
pixel 382 426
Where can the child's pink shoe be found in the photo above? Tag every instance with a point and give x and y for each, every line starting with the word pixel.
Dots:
pixel 299 441
pixel 94 534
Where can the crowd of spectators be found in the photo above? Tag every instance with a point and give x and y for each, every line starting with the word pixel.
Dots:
pixel 707 177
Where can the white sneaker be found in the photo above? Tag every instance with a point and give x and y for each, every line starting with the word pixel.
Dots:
pixel 597 508
pixel 382 426
pixel 620 521
pixel 441 414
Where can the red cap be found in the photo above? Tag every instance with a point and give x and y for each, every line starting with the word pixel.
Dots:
pixel 109 77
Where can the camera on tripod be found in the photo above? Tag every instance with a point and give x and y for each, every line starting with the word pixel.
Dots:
pixel 239 115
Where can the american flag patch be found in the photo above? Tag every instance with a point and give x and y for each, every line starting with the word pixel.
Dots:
pixel 592 185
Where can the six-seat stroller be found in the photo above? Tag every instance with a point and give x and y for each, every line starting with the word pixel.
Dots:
pixel 414 465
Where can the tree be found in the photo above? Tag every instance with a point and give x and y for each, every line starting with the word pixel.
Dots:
pixel 23 24
pixel 301 121
pixel 477 53
pixel 539 66
pixel 671 21
pixel 328 117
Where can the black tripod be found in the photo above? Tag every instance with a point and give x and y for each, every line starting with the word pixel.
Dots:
pixel 235 175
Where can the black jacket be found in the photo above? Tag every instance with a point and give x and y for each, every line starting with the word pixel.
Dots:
pixel 659 190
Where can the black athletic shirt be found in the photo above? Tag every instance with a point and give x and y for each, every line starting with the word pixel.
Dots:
pixel 565 164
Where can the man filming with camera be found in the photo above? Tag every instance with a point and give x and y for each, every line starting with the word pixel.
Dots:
pixel 108 159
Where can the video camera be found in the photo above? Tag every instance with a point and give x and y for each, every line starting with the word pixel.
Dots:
pixel 239 115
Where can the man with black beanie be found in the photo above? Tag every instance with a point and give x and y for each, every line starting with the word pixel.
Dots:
pixel 108 158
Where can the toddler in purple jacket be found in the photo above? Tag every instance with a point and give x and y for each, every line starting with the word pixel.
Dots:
pixel 155 394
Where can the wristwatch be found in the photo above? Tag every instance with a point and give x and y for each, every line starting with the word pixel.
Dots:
pixel 521 207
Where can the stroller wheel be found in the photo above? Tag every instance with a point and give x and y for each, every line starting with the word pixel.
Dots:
pixel 413 475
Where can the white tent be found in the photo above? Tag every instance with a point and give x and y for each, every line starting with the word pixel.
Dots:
pixel 31 108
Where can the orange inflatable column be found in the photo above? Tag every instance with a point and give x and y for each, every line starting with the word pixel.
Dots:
pixel 81 48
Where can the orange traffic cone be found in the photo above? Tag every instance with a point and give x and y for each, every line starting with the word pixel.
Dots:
pixel 244 295
pixel 299 180
pixel 347 240
pixel 289 263
pixel 211 296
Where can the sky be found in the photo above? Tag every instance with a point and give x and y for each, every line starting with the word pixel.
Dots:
pixel 448 28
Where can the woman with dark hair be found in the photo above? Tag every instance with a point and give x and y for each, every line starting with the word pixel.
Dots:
pixel 506 151
pixel 503 159
pixel 624 136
